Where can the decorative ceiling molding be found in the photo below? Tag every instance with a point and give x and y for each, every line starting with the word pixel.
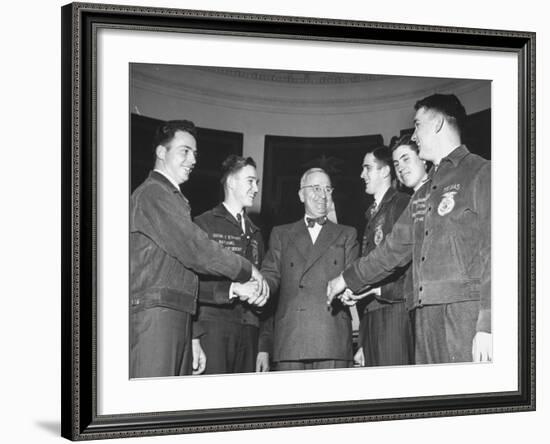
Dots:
pixel 253 91
pixel 292 77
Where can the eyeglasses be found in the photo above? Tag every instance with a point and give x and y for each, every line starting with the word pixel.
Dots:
pixel 318 189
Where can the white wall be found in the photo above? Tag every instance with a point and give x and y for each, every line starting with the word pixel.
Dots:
pixel 30 223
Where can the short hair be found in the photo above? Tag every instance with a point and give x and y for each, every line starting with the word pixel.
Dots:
pixel 406 140
pixel 446 104
pixel 309 172
pixel 383 157
pixel 233 164
pixel 167 130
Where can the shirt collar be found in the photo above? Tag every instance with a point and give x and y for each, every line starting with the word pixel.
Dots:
pixel 386 197
pixel 232 213
pixel 422 182
pixel 221 210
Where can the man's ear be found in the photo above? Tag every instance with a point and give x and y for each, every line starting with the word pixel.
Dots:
pixel 160 151
pixel 301 195
pixel 439 122
pixel 230 182
pixel 387 170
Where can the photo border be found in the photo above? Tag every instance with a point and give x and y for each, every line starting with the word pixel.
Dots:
pixel 80 23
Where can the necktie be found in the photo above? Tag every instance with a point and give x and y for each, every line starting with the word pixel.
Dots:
pixel 241 224
pixel 373 209
pixel 312 220
pixel 240 220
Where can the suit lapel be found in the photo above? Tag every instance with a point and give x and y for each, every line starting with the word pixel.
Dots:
pixel 328 234
pixel 300 238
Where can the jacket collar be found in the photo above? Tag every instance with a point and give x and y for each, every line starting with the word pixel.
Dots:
pixel 386 198
pixel 163 180
pixel 159 177
pixel 456 155
pixel 220 211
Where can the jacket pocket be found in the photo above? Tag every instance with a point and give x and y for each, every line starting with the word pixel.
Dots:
pixel 457 254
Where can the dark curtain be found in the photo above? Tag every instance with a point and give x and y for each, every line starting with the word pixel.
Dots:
pixel 286 159
pixel 203 188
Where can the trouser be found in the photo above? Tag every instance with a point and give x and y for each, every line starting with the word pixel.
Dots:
pixel 230 347
pixel 160 343
pixel 312 364
pixel 387 336
pixel 444 333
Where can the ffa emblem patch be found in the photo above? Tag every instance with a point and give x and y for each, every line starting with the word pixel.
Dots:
pixel 447 203
pixel 378 235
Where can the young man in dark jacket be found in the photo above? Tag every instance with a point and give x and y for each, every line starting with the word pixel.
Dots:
pixel 385 332
pixel 231 336
pixel 167 250
pixel 446 232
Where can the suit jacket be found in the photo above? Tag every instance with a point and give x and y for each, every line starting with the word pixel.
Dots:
pixel 303 326
pixel 378 226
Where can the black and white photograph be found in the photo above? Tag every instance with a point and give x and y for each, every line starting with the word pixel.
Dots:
pixel 267 222
pixel 274 222
pixel 284 220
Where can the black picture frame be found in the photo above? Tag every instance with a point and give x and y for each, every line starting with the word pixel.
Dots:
pixel 80 22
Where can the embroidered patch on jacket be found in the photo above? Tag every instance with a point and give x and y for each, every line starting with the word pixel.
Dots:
pixel 447 203
pixel 419 208
pixel 255 255
pixel 378 235
pixel 453 187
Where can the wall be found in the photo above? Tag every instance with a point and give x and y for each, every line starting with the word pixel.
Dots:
pixel 30 223
pixel 257 108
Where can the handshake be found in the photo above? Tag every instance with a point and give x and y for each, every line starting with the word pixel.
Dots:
pixel 337 288
pixel 254 292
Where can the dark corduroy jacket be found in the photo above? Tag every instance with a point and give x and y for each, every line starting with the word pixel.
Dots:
pixel 446 231
pixel 167 249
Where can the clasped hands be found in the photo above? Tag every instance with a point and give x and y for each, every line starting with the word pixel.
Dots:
pixel 482 345
pixel 254 292
pixel 337 288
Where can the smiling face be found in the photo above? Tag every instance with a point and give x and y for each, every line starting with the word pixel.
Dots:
pixel 315 203
pixel 425 131
pixel 244 185
pixel 374 175
pixel 409 167
pixel 178 157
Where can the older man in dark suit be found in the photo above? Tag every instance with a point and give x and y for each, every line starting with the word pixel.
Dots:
pixel 302 258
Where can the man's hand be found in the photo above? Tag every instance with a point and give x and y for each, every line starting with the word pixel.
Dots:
pixel 257 276
pixel 334 288
pixel 199 358
pixel 248 290
pixel 482 347
pixel 359 357
pixel 262 362
pixel 263 289
pixel 252 292
pixel 262 295
pixel 349 298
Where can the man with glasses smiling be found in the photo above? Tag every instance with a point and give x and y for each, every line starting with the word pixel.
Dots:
pixel 303 256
